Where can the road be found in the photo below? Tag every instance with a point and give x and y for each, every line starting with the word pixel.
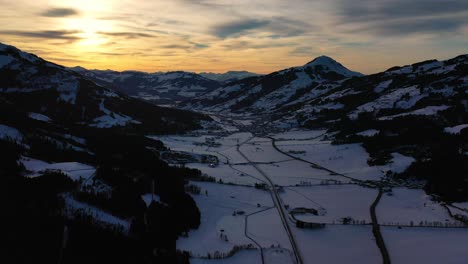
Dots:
pixel 279 206
pixel 375 224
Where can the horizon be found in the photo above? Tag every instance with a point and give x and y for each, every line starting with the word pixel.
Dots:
pixel 218 36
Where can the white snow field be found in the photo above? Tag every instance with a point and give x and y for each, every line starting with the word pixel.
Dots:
pixel 348 159
pixel 261 225
pixel 7 132
pixel 40 117
pixel 456 129
pixel 299 134
pixel 237 174
pixel 405 206
pixel 217 218
pixel 98 214
pixel 334 197
pixel 295 172
pixel 338 245
pixel 426 245
pixel 244 257
pixel 334 202
pixel 262 151
pixel 74 170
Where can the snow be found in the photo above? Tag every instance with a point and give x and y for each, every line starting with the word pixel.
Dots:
pixel 262 152
pixel 68 91
pixel 244 256
pixel 383 86
pixel 456 130
pixel 348 159
pixel 338 244
pixel 107 121
pixel 7 132
pixel 426 111
pixel 334 202
pixel 462 205
pixel 111 119
pixel 260 228
pixel 237 174
pixel 331 65
pixel 403 98
pixel 74 170
pixel 217 214
pixel 299 134
pixel 95 212
pixel 39 117
pixel 149 198
pixel 368 133
pixel 426 245
pixel 293 172
pixel 399 163
pixel 404 206
pixel 5 60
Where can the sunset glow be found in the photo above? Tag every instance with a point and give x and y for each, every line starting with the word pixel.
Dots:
pixel 260 36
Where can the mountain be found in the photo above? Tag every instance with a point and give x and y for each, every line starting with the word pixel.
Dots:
pixel 262 94
pixel 65 97
pixel 229 76
pixel 430 85
pixel 158 88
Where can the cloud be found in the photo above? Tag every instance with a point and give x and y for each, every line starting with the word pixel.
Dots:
pixel 200 45
pixel 175 46
pixel 401 17
pixel 276 27
pixel 46 34
pixel 59 12
pixel 236 28
pixel 127 35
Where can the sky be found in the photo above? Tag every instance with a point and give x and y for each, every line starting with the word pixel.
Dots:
pixel 219 35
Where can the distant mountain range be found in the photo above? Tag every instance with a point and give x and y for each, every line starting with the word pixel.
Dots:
pixel 166 88
pixel 229 76
pixel 62 96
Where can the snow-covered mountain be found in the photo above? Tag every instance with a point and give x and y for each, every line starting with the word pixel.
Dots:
pixel 158 88
pixel 229 76
pixel 424 88
pixel 65 97
pixel 270 92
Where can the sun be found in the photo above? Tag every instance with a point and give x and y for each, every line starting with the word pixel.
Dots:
pixel 89 30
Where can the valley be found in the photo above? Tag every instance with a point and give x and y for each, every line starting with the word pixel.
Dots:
pixel 267 183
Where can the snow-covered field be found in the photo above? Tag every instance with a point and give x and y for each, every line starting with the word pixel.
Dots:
pixel 338 245
pixel 305 186
pixel 11 133
pixel 98 214
pixel 218 221
pixel 237 174
pixel 348 159
pixel 295 172
pixel 244 256
pixel 405 206
pixel 260 228
pixel 334 202
pixel 299 134
pixel 74 170
pixel 427 245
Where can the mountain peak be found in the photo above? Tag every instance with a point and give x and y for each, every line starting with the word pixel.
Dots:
pixel 322 60
pixel 329 64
